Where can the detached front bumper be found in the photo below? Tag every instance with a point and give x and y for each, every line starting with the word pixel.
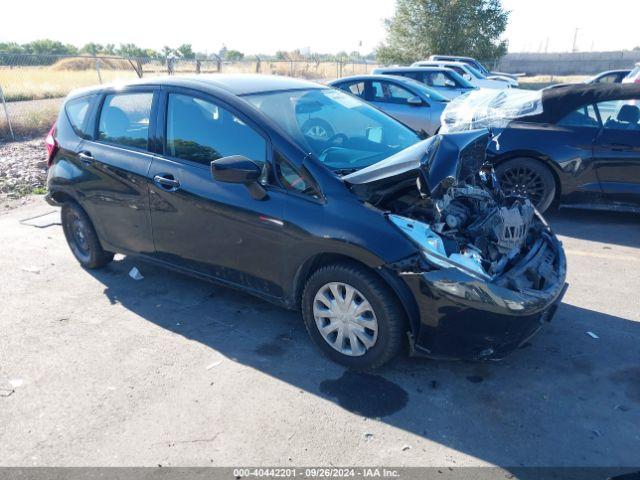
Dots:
pixel 462 317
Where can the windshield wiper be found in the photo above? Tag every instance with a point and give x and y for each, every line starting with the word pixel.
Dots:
pixel 344 171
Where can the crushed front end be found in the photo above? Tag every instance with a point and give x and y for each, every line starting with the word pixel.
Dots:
pixel 489 270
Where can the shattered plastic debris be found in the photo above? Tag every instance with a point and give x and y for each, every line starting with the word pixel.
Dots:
pixel 489 108
pixel 368 435
pixel 593 335
pixel 135 274
pixel 31 269
pixel 16 382
pixel 406 447
pixel 6 392
pixel 214 364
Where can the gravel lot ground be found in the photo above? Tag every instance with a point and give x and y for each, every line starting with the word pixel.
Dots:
pixel 99 369
pixel 23 169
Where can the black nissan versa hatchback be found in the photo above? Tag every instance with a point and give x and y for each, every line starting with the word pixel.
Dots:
pixel 378 237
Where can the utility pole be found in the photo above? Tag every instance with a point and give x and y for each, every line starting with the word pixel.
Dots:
pixel 575 40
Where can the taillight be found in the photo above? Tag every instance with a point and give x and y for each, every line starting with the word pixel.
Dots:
pixel 52 145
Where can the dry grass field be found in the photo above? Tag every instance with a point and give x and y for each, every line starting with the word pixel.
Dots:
pixel 541 81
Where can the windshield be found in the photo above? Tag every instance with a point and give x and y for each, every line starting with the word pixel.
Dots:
pixel 460 79
pixel 475 72
pixel 428 92
pixel 341 130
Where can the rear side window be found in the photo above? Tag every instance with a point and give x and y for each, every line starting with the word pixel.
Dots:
pixel 77 110
pixel 356 88
pixel 201 131
pixel 582 117
pixel 124 119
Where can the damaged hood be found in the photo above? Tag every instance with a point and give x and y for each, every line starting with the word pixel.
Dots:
pixel 441 162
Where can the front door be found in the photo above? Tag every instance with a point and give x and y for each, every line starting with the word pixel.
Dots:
pixel 393 99
pixel 213 228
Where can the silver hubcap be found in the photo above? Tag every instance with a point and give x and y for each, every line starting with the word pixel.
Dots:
pixel 345 319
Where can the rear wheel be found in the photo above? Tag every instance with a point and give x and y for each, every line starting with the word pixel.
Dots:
pixel 353 316
pixel 529 178
pixel 82 238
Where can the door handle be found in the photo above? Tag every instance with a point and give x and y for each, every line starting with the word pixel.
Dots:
pixel 86 158
pixel 167 182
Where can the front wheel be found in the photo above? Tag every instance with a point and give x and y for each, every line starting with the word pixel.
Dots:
pixel 82 238
pixel 529 178
pixel 353 316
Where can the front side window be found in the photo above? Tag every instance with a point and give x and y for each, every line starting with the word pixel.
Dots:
pixel 77 110
pixel 582 117
pixel 386 92
pixel 342 131
pixel 124 119
pixel 620 115
pixel 200 131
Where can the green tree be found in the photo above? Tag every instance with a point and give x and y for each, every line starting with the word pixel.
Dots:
pixel 234 55
pixel 92 48
pixel 11 47
pixel 130 50
pixel 49 47
pixel 421 28
pixel 167 51
pixel 185 51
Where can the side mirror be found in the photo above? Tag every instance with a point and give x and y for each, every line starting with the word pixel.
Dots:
pixel 239 169
pixel 415 101
pixel 449 84
pixel 467 77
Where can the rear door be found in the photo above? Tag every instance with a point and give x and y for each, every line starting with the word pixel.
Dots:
pixel 393 99
pixel 213 228
pixel 116 160
pixel 617 151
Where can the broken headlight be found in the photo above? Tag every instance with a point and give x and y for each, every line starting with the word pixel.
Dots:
pixel 468 260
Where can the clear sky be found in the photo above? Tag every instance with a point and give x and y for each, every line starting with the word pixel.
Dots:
pixel 255 26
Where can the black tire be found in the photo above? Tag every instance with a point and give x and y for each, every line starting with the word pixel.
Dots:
pixel 82 238
pixel 391 318
pixel 529 177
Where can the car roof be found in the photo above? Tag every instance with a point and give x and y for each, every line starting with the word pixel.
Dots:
pixel 373 76
pixel 562 100
pixel 445 57
pixel 450 62
pixel 434 68
pixel 236 84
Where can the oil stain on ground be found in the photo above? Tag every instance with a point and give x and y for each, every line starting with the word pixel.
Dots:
pixel 270 350
pixel 367 395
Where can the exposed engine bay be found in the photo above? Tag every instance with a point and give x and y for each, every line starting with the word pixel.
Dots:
pixel 451 204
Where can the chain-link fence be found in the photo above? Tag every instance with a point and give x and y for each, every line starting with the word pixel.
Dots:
pixel 32 87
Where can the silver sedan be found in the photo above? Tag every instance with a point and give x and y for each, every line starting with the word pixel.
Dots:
pixel 404 99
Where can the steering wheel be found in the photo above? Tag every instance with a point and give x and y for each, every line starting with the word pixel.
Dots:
pixel 336 140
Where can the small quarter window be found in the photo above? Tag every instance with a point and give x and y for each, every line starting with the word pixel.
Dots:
pixel 292 179
pixel 124 119
pixel 77 110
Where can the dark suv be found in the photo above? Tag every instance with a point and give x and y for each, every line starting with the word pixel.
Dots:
pixel 378 237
